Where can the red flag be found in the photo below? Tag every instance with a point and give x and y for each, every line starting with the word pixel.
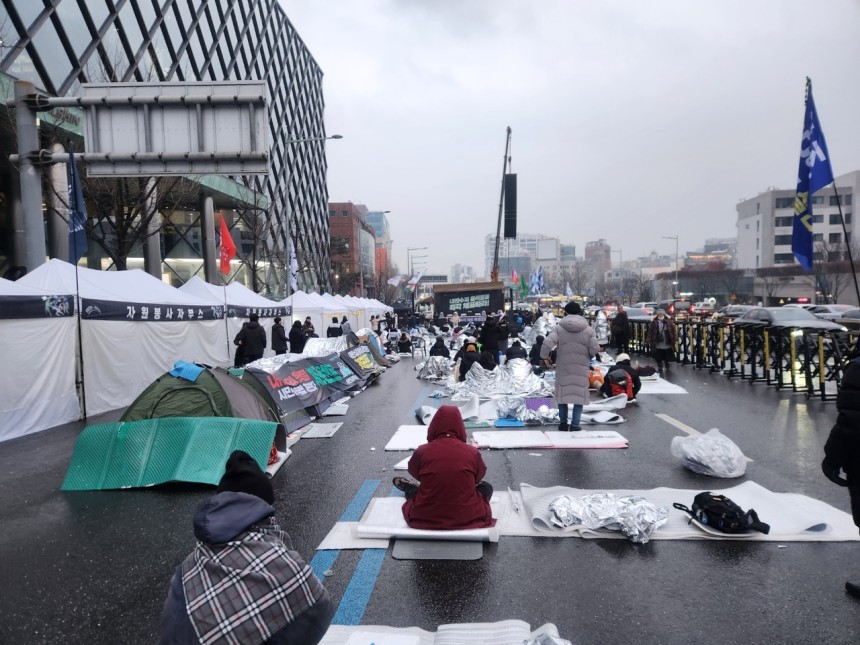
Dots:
pixel 228 248
pixel 514 277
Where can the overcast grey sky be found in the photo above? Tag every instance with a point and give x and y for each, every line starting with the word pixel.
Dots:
pixel 631 120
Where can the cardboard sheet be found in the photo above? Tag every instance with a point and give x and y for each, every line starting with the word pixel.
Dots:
pixel 407 437
pixel 336 410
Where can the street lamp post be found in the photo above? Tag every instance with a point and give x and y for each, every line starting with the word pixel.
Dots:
pixel 288 169
pixel 409 259
pixel 677 284
pixel 620 273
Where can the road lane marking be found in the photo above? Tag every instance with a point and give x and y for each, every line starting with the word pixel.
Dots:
pixel 681 426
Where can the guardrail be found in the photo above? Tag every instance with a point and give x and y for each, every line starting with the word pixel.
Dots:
pixel 803 359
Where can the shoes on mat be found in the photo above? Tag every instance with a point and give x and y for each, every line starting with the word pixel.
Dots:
pixel 403 484
pixel 575 428
pixel 853 589
pixel 563 427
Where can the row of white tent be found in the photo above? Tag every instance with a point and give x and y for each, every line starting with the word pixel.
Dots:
pixel 123 355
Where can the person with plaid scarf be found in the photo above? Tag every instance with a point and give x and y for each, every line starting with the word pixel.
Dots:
pixel 243 583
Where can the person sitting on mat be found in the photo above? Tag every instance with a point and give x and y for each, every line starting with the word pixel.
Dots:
pixel 404 343
pixel 450 492
pixel 243 583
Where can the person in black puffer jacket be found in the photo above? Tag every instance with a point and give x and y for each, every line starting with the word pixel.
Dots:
pixel 470 357
pixel 491 336
pixel 297 338
pixel 252 338
pixel 516 351
pixel 842 450
pixel 439 348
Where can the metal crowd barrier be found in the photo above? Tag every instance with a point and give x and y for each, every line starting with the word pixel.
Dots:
pixel 803 359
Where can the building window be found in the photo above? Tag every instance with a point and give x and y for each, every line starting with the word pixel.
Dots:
pixel 818 237
pixel 846 200
pixel 835 238
pixel 785 202
pixel 783 221
pixel 818 199
pixel 344 213
pixel 332 213
pixel 782 258
pixel 818 219
pixel 847 218
pixel 834 218
pixel 757 225
pixel 835 200
pixel 756 244
pixel 781 240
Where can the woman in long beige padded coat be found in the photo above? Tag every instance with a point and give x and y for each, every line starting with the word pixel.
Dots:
pixel 575 344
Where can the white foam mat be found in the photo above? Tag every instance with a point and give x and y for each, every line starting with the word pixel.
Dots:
pixel 660 386
pixel 617 402
pixel 384 519
pixel 792 517
pixel 272 469
pixel 506 632
pixel 403 464
pixel 509 439
pixel 336 410
pixel 407 437
pixel 586 439
pixel 321 430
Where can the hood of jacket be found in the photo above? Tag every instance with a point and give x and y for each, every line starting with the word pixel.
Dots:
pixel 222 517
pixel 253 325
pixel 447 422
pixel 573 323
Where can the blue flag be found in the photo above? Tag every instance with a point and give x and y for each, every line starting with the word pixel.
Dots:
pixel 813 175
pixel 541 285
pixel 77 215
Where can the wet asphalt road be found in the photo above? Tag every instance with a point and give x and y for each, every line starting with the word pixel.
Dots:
pixel 93 567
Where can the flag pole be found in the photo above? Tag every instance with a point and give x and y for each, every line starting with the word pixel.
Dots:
pixel 83 386
pixel 847 242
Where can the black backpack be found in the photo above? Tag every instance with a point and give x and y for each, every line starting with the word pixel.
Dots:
pixel 722 514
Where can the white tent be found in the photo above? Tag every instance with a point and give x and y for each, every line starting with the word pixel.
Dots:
pixel 239 303
pixel 331 309
pixel 356 312
pixel 134 327
pixel 37 343
pixel 303 306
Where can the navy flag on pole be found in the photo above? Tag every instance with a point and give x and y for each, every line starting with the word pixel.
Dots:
pixel 77 215
pixel 814 174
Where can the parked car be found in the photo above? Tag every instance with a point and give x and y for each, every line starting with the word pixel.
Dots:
pixel 730 312
pixel 786 317
pixel 850 319
pixel 635 313
pixel 703 308
pixel 676 307
pixel 830 312
pixel 650 307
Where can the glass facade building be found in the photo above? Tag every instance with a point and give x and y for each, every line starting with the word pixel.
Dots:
pixel 60 44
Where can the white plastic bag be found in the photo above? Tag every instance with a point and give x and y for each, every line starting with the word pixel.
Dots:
pixel 711 453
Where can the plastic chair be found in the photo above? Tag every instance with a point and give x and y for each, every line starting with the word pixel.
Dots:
pixel 418 345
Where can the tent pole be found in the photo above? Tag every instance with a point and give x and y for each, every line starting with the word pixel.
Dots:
pixel 226 325
pixel 80 336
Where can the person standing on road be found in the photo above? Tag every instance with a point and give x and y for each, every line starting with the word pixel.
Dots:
pixel 490 337
pixel 252 339
pixel 842 450
pixel 450 493
pixel 334 330
pixel 279 337
pixel 661 339
pixel 601 329
pixel 243 583
pixel 575 344
pixel 621 331
pixel 297 338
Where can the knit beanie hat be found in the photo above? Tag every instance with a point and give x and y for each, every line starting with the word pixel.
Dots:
pixel 572 309
pixel 242 474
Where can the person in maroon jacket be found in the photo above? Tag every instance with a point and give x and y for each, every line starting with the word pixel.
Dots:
pixel 451 493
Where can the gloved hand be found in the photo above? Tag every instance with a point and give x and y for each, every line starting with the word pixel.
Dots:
pixel 831 471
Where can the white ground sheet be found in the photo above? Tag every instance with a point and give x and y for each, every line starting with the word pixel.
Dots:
pixel 409 437
pixel 660 386
pixel 506 632
pixel 320 430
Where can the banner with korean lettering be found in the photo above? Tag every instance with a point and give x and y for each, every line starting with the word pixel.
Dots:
pixel 308 382
pixel 361 360
pixel 92 309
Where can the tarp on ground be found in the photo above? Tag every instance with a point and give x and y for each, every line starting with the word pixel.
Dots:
pixel 37 343
pixel 134 454
pixel 360 358
pixel 132 325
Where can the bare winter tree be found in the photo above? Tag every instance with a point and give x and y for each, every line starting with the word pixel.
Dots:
pixel 831 270
pixel 774 279
pixel 640 284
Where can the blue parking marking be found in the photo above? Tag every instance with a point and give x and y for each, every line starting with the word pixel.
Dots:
pixel 357 594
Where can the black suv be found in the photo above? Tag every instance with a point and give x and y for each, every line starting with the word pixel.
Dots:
pixel 676 307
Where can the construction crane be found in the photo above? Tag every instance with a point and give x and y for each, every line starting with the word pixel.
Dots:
pixel 494 274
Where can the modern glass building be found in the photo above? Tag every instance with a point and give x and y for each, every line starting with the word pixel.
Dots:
pixel 59 44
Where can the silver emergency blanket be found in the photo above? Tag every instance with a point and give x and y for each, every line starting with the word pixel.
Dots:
pixel 434 368
pixel 636 517
pixel 514 378
pixel 712 453
pixel 324 346
pixel 512 407
pixel 547 639
pixel 542 327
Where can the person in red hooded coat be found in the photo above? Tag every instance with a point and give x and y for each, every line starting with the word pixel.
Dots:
pixel 451 493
